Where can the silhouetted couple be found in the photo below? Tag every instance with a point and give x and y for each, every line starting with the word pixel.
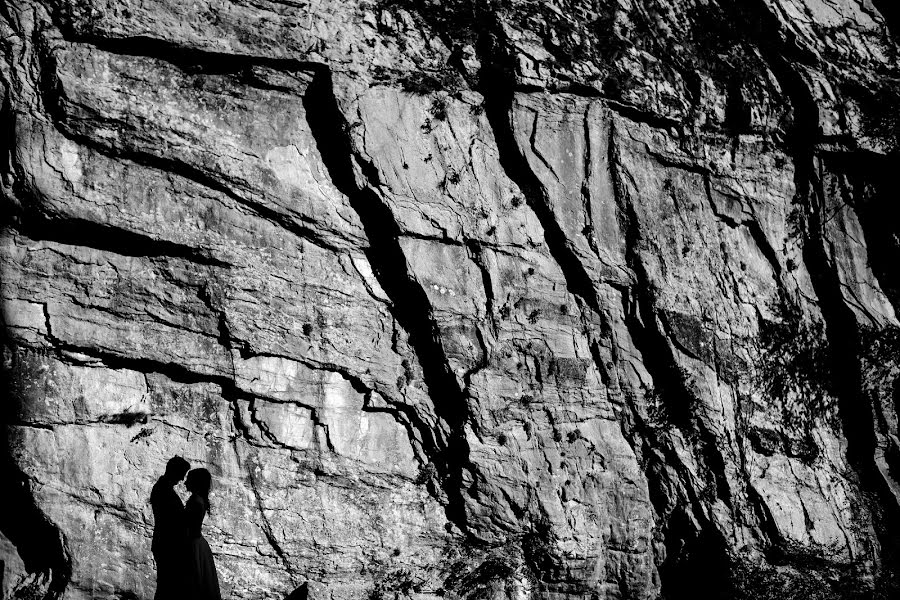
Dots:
pixel 184 562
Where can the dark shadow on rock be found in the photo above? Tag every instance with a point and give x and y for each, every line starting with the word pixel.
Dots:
pixel 40 544
pixel 301 593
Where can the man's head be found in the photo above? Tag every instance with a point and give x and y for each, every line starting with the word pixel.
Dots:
pixel 177 468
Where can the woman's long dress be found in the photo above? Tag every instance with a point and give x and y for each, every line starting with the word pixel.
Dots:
pixel 203 582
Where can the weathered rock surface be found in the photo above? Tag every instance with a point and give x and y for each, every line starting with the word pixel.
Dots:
pixel 482 299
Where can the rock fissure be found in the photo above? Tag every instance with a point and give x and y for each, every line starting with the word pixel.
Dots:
pixel 411 308
pixel 88 234
pixel 266 526
pixel 841 328
pixel 465 346
pixel 690 541
pixel 499 94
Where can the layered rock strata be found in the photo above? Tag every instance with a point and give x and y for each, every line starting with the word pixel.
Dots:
pixel 481 299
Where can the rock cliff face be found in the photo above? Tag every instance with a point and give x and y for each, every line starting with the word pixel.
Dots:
pixel 477 299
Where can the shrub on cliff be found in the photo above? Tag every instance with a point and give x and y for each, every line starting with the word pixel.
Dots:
pixel 792 366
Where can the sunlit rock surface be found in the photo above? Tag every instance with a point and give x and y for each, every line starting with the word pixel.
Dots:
pixel 510 299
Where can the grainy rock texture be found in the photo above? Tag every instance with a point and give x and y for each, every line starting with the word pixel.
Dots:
pixel 465 298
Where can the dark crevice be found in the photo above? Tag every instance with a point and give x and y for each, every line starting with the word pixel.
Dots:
pixel 187 58
pixel 843 335
pixel 317 422
pixel 589 231
pixel 708 444
pixel 410 305
pixel 173 371
pixel 266 526
pixel 841 328
pixel 764 517
pixel 476 252
pixel 639 115
pixel 37 226
pixel 871 190
pixel 631 112
pixel 7 135
pixel 481 364
pixel 762 242
pixel 407 416
pixel 737 111
pixel 693 544
pixel 890 10
pixel 497 86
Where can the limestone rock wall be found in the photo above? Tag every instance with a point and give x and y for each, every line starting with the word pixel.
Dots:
pixel 475 298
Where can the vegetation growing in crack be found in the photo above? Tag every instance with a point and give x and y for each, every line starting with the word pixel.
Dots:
pixel 659 419
pixel 427 474
pixel 395 584
pixel 473 569
pixel 568 33
pixel 726 53
pixel 879 118
pixel 512 568
pixel 665 410
pixel 793 570
pixel 792 366
pixel 880 365
pixel 423 83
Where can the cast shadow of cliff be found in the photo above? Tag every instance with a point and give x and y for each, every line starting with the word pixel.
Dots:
pixel 40 544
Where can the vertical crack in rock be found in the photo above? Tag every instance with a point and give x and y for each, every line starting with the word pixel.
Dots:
pixel 497 85
pixel 841 328
pixel 7 135
pixel 704 547
pixel 693 542
pixel 265 524
pixel 498 88
pixel 870 187
pixel 448 450
pixel 476 253
pixel 590 232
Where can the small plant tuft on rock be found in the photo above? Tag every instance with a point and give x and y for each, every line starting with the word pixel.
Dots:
pixel 424 83
pixel 395 584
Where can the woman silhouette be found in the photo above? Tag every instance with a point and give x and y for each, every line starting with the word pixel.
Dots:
pixel 202 581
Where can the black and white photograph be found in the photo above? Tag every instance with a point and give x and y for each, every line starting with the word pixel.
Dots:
pixel 449 299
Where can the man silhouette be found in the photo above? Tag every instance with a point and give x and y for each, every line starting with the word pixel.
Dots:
pixel 169 531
